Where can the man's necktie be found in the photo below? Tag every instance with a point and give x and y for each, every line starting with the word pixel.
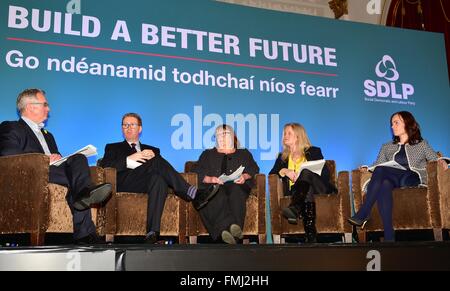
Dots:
pixel 133 148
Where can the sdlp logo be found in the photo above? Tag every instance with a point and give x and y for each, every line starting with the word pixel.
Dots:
pixel 386 69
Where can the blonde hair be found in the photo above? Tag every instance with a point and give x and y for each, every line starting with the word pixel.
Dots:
pixel 303 142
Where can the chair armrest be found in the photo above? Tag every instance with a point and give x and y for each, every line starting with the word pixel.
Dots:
pixel 444 193
pixel 343 183
pixel 192 216
pixel 358 180
pixel 110 209
pixel 260 182
pixel 24 195
pixel 275 191
pixel 97 175
pixel 434 196
pixel 188 219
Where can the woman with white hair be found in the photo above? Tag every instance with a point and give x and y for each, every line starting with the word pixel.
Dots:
pixel 224 215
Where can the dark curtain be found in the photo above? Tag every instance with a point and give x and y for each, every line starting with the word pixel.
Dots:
pixel 428 15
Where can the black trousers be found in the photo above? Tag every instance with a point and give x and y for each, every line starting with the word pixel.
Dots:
pixel 154 178
pixel 226 208
pixel 311 183
pixel 75 174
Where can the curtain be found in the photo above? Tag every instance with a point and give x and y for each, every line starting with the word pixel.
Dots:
pixel 428 15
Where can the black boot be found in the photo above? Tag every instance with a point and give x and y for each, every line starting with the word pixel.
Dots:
pixel 309 222
pixel 297 206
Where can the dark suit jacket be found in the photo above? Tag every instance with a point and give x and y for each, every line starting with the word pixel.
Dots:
pixel 311 154
pixel 116 157
pixel 16 138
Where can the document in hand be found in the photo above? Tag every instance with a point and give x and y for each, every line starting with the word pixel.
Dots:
pixel 87 151
pixel 392 164
pixel 224 178
pixel 313 166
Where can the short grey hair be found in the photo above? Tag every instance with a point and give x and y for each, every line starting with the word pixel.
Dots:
pixel 26 96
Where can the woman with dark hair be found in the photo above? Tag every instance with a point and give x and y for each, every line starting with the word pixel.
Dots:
pixel 408 149
pixel 224 215
pixel 301 186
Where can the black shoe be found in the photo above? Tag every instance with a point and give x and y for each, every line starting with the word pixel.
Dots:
pixel 204 196
pixel 90 239
pixel 357 222
pixel 291 214
pixel 93 196
pixel 153 238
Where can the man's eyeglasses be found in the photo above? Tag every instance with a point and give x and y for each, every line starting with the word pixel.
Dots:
pixel 45 104
pixel 130 125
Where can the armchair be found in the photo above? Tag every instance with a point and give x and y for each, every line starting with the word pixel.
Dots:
pixel 332 209
pixel 255 219
pixel 30 204
pixel 126 213
pixel 413 207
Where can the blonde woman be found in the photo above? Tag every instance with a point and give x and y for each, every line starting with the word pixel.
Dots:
pixel 297 149
pixel 224 215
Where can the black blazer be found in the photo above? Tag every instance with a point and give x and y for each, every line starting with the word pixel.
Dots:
pixel 116 157
pixel 311 154
pixel 16 138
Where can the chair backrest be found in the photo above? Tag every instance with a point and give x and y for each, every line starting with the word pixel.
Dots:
pixel 331 164
pixel 190 166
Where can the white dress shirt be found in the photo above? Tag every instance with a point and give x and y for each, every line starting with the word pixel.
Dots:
pixel 36 128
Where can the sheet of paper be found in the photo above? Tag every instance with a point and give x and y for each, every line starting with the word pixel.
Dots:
pixel 87 151
pixel 227 178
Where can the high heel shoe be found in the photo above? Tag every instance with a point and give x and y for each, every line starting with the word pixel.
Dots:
pixel 358 222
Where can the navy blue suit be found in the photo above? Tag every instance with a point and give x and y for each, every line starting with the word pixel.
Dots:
pixel 17 138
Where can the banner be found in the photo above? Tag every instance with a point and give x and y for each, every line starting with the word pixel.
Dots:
pixel 188 66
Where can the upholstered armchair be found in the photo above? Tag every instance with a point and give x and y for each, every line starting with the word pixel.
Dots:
pixel 255 219
pixel 30 204
pixel 126 213
pixel 414 208
pixel 332 210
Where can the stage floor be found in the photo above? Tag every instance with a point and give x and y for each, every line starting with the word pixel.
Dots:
pixel 245 258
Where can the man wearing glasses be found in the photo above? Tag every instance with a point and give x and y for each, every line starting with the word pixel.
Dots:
pixel 141 168
pixel 28 136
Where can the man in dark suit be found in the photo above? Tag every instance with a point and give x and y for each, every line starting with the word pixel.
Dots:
pixel 141 168
pixel 28 136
